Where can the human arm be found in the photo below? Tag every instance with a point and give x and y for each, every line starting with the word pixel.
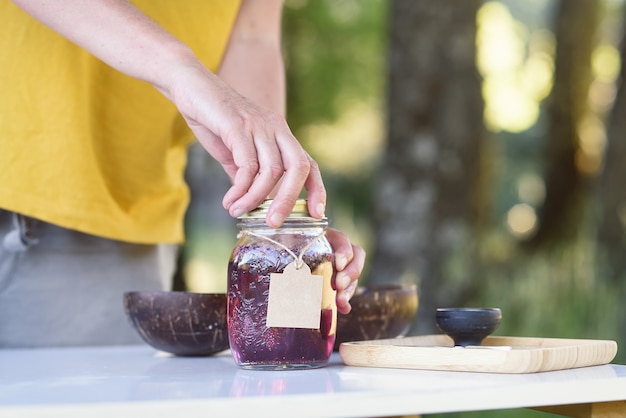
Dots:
pixel 253 144
pixel 122 36
pixel 253 65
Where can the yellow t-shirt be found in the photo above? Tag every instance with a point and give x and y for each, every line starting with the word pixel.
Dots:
pixel 88 148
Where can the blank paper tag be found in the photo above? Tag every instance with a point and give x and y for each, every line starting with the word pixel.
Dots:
pixel 295 298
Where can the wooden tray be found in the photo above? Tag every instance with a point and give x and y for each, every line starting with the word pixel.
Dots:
pixel 496 355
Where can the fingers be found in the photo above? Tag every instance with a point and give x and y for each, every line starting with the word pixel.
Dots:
pixel 349 262
pixel 343 299
pixel 342 248
pixel 297 172
pixel 303 173
pixel 270 160
pixel 255 147
pixel 316 192
pixel 350 275
pixel 258 171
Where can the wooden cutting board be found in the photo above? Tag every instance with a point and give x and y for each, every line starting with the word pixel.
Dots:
pixel 495 355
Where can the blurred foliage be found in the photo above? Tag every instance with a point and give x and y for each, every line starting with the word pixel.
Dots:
pixel 335 57
pixel 334 54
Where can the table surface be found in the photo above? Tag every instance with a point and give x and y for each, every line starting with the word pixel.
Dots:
pixel 139 381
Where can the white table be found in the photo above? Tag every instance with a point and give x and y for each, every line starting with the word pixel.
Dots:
pixel 137 381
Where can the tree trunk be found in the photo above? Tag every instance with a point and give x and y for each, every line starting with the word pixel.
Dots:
pixel 566 187
pixel 424 194
pixel 612 193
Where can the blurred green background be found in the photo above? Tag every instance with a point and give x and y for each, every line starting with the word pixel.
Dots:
pixel 521 100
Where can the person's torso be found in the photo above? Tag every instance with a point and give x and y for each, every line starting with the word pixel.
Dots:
pixel 88 148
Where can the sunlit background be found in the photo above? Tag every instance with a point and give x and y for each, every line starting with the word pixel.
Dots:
pixel 336 56
pixel 515 58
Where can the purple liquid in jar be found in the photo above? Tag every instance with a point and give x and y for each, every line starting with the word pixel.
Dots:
pixel 252 343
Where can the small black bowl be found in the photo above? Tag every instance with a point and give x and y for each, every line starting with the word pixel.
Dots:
pixel 468 326
pixel 180 323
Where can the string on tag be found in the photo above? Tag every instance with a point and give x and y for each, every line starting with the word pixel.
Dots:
pixel 297 258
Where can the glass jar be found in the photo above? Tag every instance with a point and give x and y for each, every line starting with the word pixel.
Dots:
pixel 282 312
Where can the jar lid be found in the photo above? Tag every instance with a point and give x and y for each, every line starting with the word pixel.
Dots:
pixel 299 211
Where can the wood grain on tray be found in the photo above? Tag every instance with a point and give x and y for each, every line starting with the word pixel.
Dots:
pixel 495 355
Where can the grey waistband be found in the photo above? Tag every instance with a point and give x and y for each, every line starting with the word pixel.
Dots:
pixel 20 237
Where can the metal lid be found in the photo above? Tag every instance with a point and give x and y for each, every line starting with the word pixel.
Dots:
pixel 299 211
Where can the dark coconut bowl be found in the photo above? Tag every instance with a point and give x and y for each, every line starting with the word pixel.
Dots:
pixel 180 323
pixel 378 312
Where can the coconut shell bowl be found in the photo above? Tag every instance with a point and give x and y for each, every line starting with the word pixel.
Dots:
pixel 378 312
pixel 180 323
pixel 468 326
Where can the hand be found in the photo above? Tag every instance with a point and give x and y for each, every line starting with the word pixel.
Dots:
pixel 349 261
pixel 254 146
